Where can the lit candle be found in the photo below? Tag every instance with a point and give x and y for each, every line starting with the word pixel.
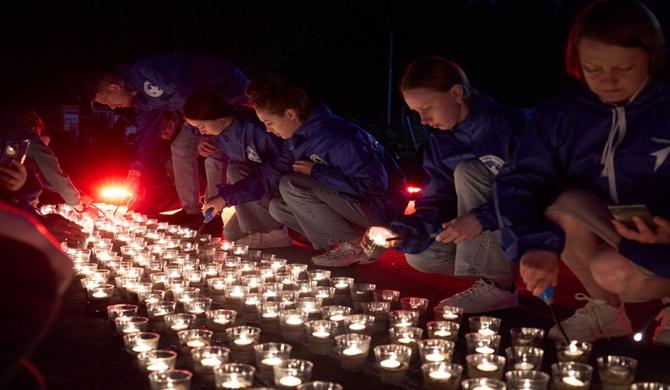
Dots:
pixel 351 351
pixel 180 325
pixel 271 314
pixel 405 340
pixel 141 347
pixel 573 350
pixel 271 361
pixel 221 320
pixel 448 315
pixel 442 333
pixel 233 383
pixel 341 285
pixel 484 349
pixel 390 363
pixel 211 361
pixel 440 375
pixel 100 294
pixel 294 320
pixel 197 310
pixel 157 366
pixel 243 340
pixel 290 381
pixel 486 332
pixel 434 357
pixel 337 317
pixel 524 366
pixel 487 366
pixel 573 381
pixel 195 343
pixel 131 329
pixel 618 371
pixel 356 326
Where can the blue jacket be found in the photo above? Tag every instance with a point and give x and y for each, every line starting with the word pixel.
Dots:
pixel 163 83
pixel 351 161
pixel 567 146
pixel 247 141
pixel 489 133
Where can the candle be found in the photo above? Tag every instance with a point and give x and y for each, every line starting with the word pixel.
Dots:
pixel 233 383
pixel 290 381
pixel 356 326
pixel 618 371
pixel 434 357
pixel 442 333
pixel 483 387
pixel 294 321
pixel 100 294
pixel 211 361
pixel 487 366
pixel 573 381
pixel 221 320
pixel 573 351
pixel 390 363
pixel 449 315
pixel 337 317
pixel 131 329
pixel 484 349
pixel 321 334
pixel 157 366
pixel 272 314
pixel 341 285
pixel 351 351
pixel 524 366
pixel 486 332
pixel 405 340
pixel 141 348
pixel 440 375
pixel 180 325
pixel 243 340
pixel 195 343
pixel 271 361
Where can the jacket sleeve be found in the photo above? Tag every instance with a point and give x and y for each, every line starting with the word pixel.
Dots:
pixel 355 170
pixel 149 127
pixel 48 165
pixel 527 185
pixel 435 205
pixel 264 179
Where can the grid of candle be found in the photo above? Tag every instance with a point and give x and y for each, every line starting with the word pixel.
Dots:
pixel 169 292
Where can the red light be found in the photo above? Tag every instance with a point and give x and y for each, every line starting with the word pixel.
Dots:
pixel 413 189
pixel 115 193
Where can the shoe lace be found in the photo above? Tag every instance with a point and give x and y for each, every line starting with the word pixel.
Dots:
pixel 586 312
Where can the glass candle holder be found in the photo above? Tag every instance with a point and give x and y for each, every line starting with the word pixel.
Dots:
pixel 269 317
pixel 649 386
pixel 352 349
pixel 342 284
pixel 477 343
pixel 335 313
pixel 445 330
pixel 305 288
pixel 151 297
pixel 402 318
pixel 616 372
pixel 252 281
pixel 441 375
pixel 194 338
pixel 216 285
pixel 436 350
pixel 448 313
pixel 125 325
pixel 268 355
pixel 140 342
pixel 406 335
pixel 325 293
pixel 179 321
pixel 186 295
pixel 161 308
pixel 171 379
pixel 485 366
pixel 234 297
pixel 362 292
pixel 483 384
pixel 571 376
pixel 392 362
pixel 100 296
pixel 321 276
pixel 415 304
pixel 292 324
pixel 484 325
pixel 296 269
pixel 358 323
pixel 320 335
pixel 242 338
pixel 528 337
pixel 234 376
pixel 195 278
pixel 524 358
pixel 575 351
pixel 390 296
pixel 220 319
pixel 198 306
pixel 205 359
pixel 157 360
pixel 310 305
pixel 291 373
pixel 320 385
pixel 122 310
pixel 526 379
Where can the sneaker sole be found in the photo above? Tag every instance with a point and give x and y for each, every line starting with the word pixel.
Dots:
pixel 331 264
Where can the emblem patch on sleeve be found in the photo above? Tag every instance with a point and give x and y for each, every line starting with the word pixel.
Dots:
pixel 252 155
pixel 152 90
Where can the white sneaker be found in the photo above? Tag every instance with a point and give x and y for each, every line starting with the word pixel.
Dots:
pixel 596 320
pixel 277 238
pixel 342 255
pixel 662 333
pixel 482 296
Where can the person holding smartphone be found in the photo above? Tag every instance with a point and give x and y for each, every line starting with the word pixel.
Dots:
pixel 604 141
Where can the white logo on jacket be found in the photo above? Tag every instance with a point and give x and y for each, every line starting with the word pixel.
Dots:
pixel 661 154
pixel 252 155
pixel 152 90
pixel 493 163
pixel 317 160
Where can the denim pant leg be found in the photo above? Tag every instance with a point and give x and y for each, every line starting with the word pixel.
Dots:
pixel 215 170
pixel 482 255
pixel 438 258
pixel 251 217
pixel 185 168
pixel 325 217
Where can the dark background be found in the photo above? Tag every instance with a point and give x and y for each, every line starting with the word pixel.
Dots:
pixel 511 49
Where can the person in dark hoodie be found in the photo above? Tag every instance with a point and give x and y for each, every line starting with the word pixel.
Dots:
pixel 454 229
pixel 256 164
pixel 605 141
pixel 343 180
pixel 156 87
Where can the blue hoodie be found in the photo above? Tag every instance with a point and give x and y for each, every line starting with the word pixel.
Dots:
pixel 247 141
pixel 576 140
pixel 163 83
pixel 489 134
pixel 351 161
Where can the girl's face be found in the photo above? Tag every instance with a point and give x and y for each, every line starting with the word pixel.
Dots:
pixel 282 125
pixel 438 109
pixel 614 73
pixel 209 126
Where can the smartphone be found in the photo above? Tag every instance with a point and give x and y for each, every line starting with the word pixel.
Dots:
pixel 625 214
pixel 14 150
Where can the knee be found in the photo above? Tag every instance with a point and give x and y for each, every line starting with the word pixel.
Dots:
pixel 233 172
pixel 423 263
pixel 613 274
pixel 466 171
pixel 276 208
pixel 287 184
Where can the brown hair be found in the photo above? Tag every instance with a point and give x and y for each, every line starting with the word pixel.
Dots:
pixel 277 96
pixel 435 73
pixel 100 80
pixel 207 105
pixel 626 23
